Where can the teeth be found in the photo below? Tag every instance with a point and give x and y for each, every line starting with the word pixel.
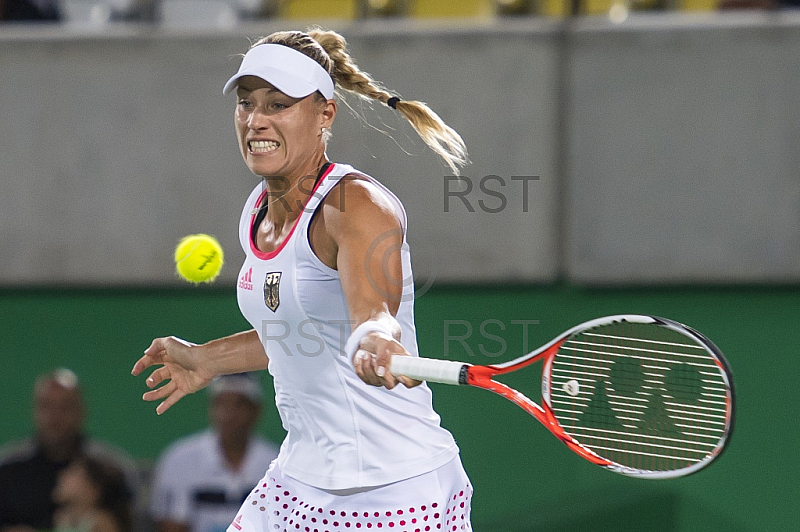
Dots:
pixel 262 146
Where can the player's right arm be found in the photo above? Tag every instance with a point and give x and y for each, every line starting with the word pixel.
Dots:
pixel 190 368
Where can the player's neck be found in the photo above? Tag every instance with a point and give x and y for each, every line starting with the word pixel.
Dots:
pixel 289 194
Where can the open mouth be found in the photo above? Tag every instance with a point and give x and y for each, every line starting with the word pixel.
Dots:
pixel 263 146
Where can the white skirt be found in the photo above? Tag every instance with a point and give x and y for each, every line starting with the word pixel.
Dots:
pixel 437 501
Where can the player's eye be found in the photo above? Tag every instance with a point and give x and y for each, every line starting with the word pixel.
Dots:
pixel 245 104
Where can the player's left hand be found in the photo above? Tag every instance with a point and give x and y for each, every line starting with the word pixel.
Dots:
pixel 181 368
pixel 372 360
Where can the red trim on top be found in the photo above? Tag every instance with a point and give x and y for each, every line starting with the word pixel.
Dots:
pixel 272 254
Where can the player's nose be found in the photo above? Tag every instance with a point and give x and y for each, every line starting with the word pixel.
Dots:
pixel 258 120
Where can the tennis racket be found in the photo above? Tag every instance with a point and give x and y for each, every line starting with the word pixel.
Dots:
pixel 639 395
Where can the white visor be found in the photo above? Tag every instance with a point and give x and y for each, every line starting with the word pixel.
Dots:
pixel 291 72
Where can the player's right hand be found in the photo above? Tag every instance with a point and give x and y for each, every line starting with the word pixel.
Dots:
pixel 373 359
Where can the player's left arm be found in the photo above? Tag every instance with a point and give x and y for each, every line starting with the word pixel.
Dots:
pixel 358 233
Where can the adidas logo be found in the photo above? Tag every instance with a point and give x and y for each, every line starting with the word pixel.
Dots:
pixel 237 522
pixel 246 280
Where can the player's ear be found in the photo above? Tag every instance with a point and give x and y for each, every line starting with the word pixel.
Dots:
pixel 328 112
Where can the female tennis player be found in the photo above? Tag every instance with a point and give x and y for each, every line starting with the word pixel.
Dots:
pixel 325 285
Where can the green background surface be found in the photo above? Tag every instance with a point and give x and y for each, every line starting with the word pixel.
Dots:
pixel 524 478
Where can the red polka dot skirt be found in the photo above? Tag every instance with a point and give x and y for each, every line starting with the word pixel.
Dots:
pixel 434 502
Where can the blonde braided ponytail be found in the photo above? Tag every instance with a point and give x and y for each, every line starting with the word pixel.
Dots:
pixel 329 49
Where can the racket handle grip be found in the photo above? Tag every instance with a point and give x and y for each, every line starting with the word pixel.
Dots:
pixel 429 369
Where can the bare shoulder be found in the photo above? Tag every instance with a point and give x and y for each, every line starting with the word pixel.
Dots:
pixel 354 214
pixel 358 202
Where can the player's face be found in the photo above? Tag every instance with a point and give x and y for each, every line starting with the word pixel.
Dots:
pixel 279 135
pixel 58 414
pixel 233 415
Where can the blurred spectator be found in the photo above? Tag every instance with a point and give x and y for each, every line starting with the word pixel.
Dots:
pixel 29 11
pixel 92 496
pixel 201 481
pixel 29 469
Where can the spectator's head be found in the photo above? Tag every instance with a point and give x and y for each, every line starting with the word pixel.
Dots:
pixel 58 411
pixel 93 483
pixel 235 405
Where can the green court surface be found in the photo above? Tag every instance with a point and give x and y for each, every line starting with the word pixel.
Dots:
pixel 525 480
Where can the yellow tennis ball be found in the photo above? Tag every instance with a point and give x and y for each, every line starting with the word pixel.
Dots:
pixel 198 258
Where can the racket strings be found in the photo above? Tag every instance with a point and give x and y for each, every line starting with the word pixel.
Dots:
pixel 640 395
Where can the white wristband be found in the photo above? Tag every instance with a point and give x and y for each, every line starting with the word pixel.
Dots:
pixel 368 327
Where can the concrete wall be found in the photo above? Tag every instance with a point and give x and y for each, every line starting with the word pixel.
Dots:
pixel 113 147
pixel 683 161
pixel 663 149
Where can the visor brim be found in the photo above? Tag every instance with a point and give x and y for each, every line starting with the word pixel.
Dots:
pixel 283 81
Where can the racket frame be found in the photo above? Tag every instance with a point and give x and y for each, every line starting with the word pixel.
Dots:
pixel 480 376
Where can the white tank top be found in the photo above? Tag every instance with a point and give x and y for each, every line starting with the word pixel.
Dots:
pixel 341 432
